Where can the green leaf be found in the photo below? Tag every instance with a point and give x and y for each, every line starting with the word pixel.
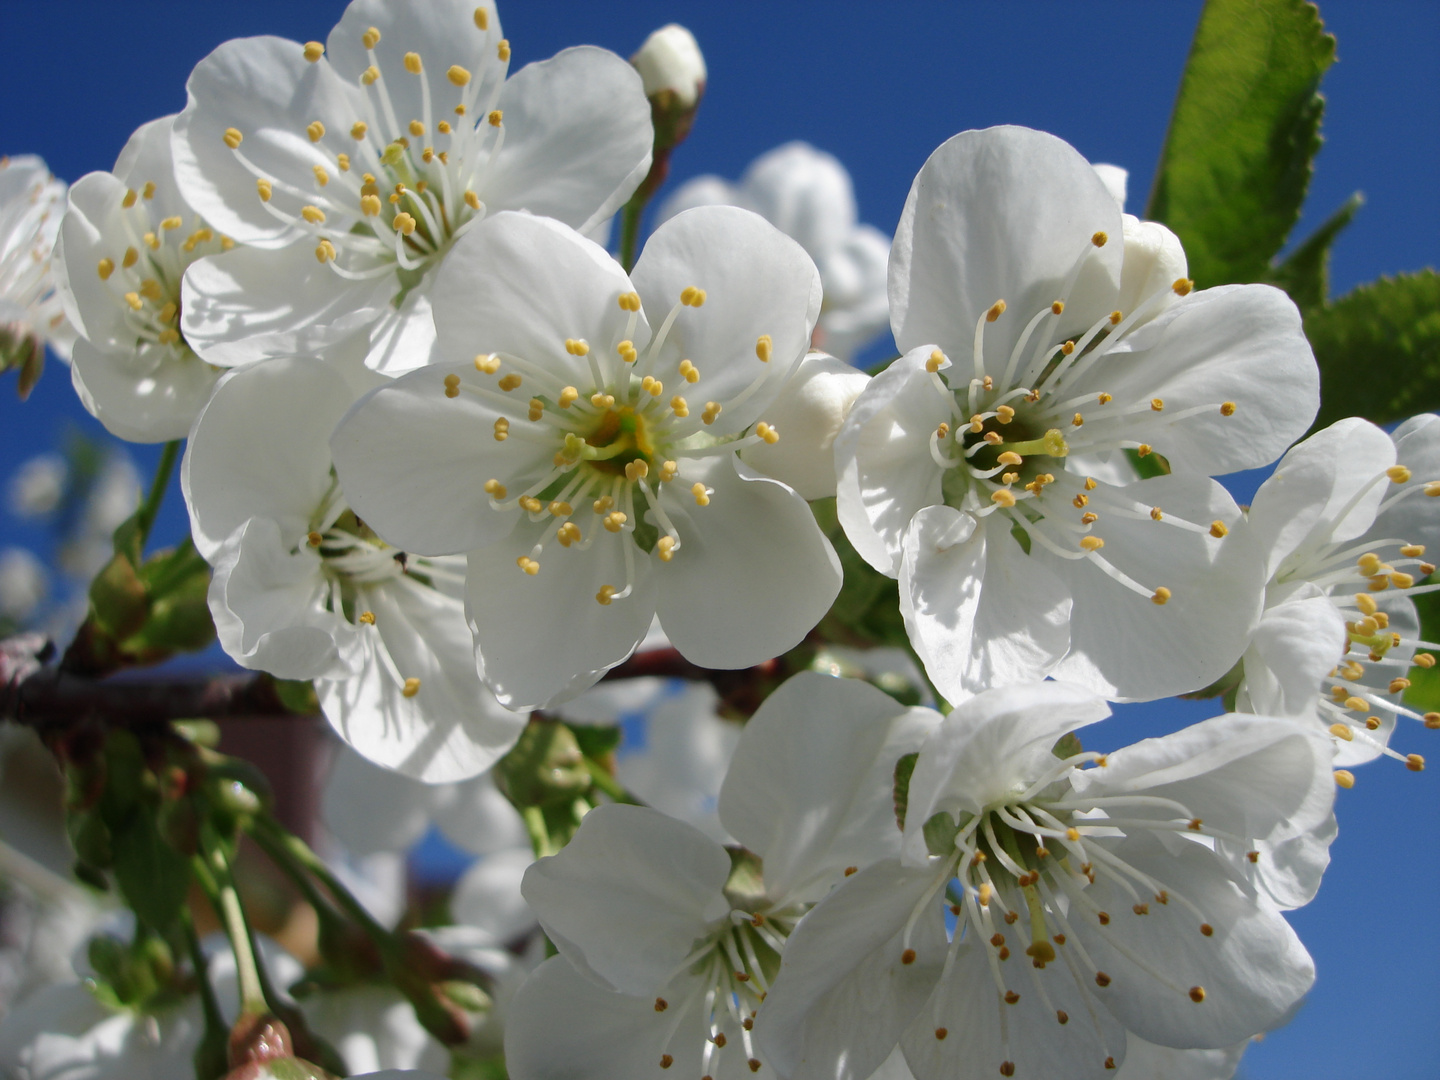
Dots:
pixel 1305 274
pixel 1378 347
pixel 1237 158
pixel 1424 693
pixel 118 601
pixel 153 876
pixel 298 696
pixel 904 768
pixel 597 740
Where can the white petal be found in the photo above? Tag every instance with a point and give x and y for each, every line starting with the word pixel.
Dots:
pixel 414 462
pixel 249 304
pixel 805 193
pixel 1146 1061
pixel 488 896
pixel 699 191
pixel 474 815
pixel 543 639
pixel 882 459
pixel 374 1027
pixel 753 573
pixel 1234 343
pixel 265 89
pixel 147 395
pixel 844 997
pixel 146 159
pixel 857 305
pixel 1116 181
pixel 525 285
pixel 264 423
pixel 979 611
pixel 93 228
pixel 1000 214
pixel 757 282
pixel 1125 646
pixel 810 787
pixel 451 728
pixel 990 747
pixel 371 809
pixel 1295 646
pixel 269 606
pixel 578 138
pixel 1417 447
pixel 1154 261
pixel 628 896
pixel 1252 968
pixel 982 1031
pixel 564 1027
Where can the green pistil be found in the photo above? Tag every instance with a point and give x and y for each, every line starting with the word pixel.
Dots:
pixel 1051 444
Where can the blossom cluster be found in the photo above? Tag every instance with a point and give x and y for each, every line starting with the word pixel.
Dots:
pixel 451 462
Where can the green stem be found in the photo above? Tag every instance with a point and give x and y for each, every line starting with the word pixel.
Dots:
pixel 539 834
pixel 285 847
pixel 630 227
pixel 156 495
pixel 601 778
pixel 214 1020
pixel 226 902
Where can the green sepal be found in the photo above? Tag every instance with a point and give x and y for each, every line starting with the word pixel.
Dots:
pixel 153 877
pixel 904 769
pixel 940 832
pixel 545 768
pixel 298 696
pixel 597 740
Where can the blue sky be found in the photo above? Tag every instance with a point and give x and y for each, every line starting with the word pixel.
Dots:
pixel 880 85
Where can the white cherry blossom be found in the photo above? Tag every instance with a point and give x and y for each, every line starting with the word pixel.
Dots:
pixel 126 241
pixel 670 61
pixel 1344 524
pixel 302 588
pixel 31 316
pixel 587 462
pixel 352 166
pixel 1133 896
pixel 807 194
pixel 668 942
pixel 1037 349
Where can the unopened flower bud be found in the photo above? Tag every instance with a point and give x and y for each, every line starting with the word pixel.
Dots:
pixel 808 415
pixel 1154 259
pixel 670 62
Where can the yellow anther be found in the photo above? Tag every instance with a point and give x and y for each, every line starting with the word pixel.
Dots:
pixel 679 406
pixel 411 687
pixel 606 594
pixel 502 50
pixel 313 214
pixel 668 469
pixel 994 438
pixel 403 223
pixel 628 353
pixel 1357 704
pixel 1218 529
pixel 1227 408
pixel 106 268
pixel 495 489
pixel 416 128
pixel 1379 583
pixel 133 299
pixel 1116 318
pixel 316 130
pixel 452 380
pixel 1401 580
pixel 1197 994
pixel 472 200
pixel 169 311
pixel 1342 731
pixel 1182 286
pixel 1344 778
pixel 233 139
pixel 768 433
pixel 1090 483
pixel 576 347
pixel 689 372
pixel 315 539
pixel 701 493
pixel 996 310
pixel 1009 477
pixel 537 409
pixel 614 521
pixel 943 430
pixel 527 564
pixel 1413 551
pixel 1157 404
pixel 325 251
pixel 1369 564
pixel 502 429
pixel 509 382
pixel 130 196
pixel 412 63
pixel 370 38
pixel 1161 596
pixel 1067 349
pixel 1004 414
pixel 1432 720
pixel 370 205
pixel 1432 488
pixel 936 361
pixel 648 385
pixel 1100 239
pixel 1009 457
pixel 1080 501
pixel 602 504
pixel 629 301
pixel 1087 518
pixel 1366 605
pixel 370 75
pixel 568 397
pixel 1398 474
pixel 1077 420
pixel 496 118
pixel 712 410
pixel 665 548
pixel 314 50
pixel 558 508
pixel 168 336
pixel 458 75
pixel 637 469
pixel 568 534
pixel 226 243
pixel 530 504
pixel 690 296
pixel 602 400
pixel 1414 762
pixel 1091 543
pixel 130 258
pixel 1104 399
pixel 489 364
pixel 1156 514
pixel 1057 307
pixel 1002 498
pixel 482 18
pixel 321 176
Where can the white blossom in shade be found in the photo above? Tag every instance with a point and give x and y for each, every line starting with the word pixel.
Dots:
pixel 112 497
pixel 1089 902
pixel 352 167
pixel 1146 1061
pixel 670 60
pixel 810 411
pixel 32 203
pixel 37 486
pixel 23 583
pixel 373 1027
pixel 1343 524
pixel 587 462
pixel 807 194
pixel 303 589
pixel 666 953
pixel 1036 349
pixel 126 241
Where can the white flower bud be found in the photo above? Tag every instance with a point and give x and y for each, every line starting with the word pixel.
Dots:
pixel 1154 261
pixel 37 486
pixel 1116 181
pixel 22 584
pixel 808 415
pixel 670 60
